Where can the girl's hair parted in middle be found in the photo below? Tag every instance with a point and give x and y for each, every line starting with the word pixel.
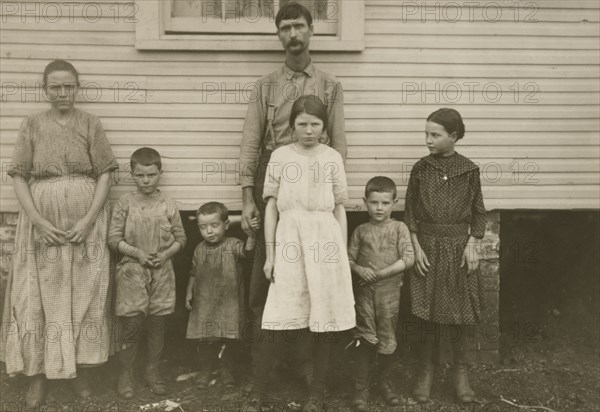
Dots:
pixel 309 104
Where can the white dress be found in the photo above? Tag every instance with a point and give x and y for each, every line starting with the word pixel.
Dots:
pixel 313 284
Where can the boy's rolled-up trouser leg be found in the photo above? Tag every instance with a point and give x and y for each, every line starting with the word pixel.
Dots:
pixel 155 342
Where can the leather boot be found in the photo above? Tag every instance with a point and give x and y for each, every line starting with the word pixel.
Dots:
pixel 464 393
pixel 386 389
pixel 362 353
pixel 130 329
pixel 206 360
pixel 126 383
pixel 429 334
pixel 463 390
pixel 423 385
pixel 315 402
pixel 36 392
pixel 360 399
pixel 226 363
pixel 253 403
pixel 81 385
pixel 155 344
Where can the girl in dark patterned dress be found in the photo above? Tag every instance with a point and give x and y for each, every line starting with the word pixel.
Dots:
pixel 446 218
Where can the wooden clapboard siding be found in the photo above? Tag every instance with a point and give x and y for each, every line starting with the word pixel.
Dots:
pixel 527 86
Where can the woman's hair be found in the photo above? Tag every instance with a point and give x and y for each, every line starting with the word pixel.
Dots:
pixel 309 104
pixel 293 11
pixel 60 66
pixel 145 156
pixel 214 207
pixel 450 119
pixel 381 184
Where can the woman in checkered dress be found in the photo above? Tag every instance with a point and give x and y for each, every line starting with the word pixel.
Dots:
pixel 56 314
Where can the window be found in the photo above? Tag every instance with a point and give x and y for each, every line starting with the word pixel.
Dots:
pixel 241 16
pixel 243 24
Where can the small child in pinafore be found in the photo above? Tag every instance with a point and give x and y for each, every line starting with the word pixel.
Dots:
pixel 215 292
pixel 146 229
pixel 379 252
pixel 446 218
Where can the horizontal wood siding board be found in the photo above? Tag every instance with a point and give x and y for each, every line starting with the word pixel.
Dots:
pixel 374 55
pixel 392 139
pixel 341 69
pixel 408 83
pixel 356 111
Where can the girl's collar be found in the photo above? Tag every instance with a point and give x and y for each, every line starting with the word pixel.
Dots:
pixel 318 149
pixel 453 165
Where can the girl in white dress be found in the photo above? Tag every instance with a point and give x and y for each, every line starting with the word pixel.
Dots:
pixel 307 261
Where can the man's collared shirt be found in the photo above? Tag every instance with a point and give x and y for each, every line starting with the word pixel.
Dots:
pixel 280 89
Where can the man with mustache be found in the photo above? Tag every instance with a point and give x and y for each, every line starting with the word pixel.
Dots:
pixel 266 128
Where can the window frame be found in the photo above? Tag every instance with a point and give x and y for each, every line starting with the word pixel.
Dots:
pixel 150 33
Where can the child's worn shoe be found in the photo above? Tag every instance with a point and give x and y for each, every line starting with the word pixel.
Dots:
pixel 36 392
pixel 204 378
pixel 126 385
pixel 315 401
pixel 388 394
pixel 423 385
pixel 464 393
pixel 313 404
pixel 253 403
pixel 360 400
pixel 154 380
pixel 80 384
pixel 227 377
pixel 247 388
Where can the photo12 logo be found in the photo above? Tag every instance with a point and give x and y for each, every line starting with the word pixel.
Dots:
pixel 88 92
pixel 469 11
pixel 68 12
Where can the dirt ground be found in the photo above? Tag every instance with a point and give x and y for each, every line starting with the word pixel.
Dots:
pixel 552 372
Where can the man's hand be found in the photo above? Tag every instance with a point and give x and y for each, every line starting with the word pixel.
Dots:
pixel 250 217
